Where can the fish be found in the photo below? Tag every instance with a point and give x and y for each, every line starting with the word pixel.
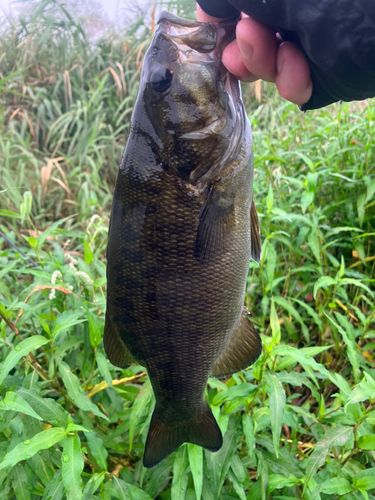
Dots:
pixel 182 231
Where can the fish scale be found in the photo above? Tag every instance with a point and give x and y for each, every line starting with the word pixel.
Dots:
pixel 182 231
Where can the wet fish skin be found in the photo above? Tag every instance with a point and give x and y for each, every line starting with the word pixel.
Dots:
pixel 180 236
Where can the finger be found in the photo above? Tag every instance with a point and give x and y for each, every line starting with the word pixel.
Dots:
pixel 258 46
pixel 293 74
pixel 202 17
pixel 233 61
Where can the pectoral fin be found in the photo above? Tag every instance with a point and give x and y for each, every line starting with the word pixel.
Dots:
pixel 243 349
pixel 215 225
pixel 256 244
pixel 117 352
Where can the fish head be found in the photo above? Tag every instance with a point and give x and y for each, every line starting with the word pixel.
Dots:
pixel 189 98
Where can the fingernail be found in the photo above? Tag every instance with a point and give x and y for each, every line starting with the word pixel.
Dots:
pixel 247 50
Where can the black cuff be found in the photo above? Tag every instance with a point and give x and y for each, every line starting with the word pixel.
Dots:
pixel 218 8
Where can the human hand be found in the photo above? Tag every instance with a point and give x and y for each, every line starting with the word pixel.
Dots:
pixel 259 53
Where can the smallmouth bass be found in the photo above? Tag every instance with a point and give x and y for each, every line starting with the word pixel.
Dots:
pixel 182 231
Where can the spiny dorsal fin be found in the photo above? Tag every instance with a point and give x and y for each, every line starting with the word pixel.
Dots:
pixel 256 243
pixel 243 349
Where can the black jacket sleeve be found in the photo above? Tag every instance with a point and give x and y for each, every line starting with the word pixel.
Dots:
pixel 336 36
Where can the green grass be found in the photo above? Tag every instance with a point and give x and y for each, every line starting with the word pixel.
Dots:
pixel 300 423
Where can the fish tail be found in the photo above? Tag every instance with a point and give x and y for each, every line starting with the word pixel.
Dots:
pixel 163 439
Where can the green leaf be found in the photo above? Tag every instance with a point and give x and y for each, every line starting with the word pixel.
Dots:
pixel 294 313
pixel 31 310
pixel 313 242
pixel 66 320
pixel 21 349
pixel 196 466
pixel 323 282
pixel 8 267
pixel 342 229
pixel 279 481
pixel 335 436
pixel 28 201
pixel 362 392
pixel 310 311
pixel 237 486
pixel 306 199
pixel 9 213
pixel 49 409
pixel 367 442
pixel 269 200
pixel 342 267
pixel 239 470
pixel 122 488
pixel 68 344
pixel 28 448
pixel 75 391
pixel 42 237
pixel 361 202
pixel 262 474
pixel 341 383
pixel 180 476
pixel 139 408
pixel 14 402
pixel 336 485
pixel 33 242
pixel 72 427
pixel 218 463
pixel 41 463
pixel 236 391
pixel 270 264
pixel 302 356
pixel 370 190
pixel 358 283
pixel 351 348
pixel 97 449
pixel 103 365
pixel 276 394
pixel 138 494
pixel 88 254
pixel 93 484
pixel 55 489
pixel 72 467
pixel 20 482
pixel 365 479
pixel 275 324
pixel 96 327
pixel 248 430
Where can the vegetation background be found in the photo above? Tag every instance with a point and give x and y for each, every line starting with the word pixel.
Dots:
pixel 299 424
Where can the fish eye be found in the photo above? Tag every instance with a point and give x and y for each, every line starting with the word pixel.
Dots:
pixel 161 79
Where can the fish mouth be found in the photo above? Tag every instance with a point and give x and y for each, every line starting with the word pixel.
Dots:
pixel 214 127
pixel 202 37
pixel 218 124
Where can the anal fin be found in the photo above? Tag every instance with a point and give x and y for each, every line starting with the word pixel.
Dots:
pixel 256 243
pixel 117 352
pixel 243 349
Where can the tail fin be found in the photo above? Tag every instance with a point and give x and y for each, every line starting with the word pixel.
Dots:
pixel 163 439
